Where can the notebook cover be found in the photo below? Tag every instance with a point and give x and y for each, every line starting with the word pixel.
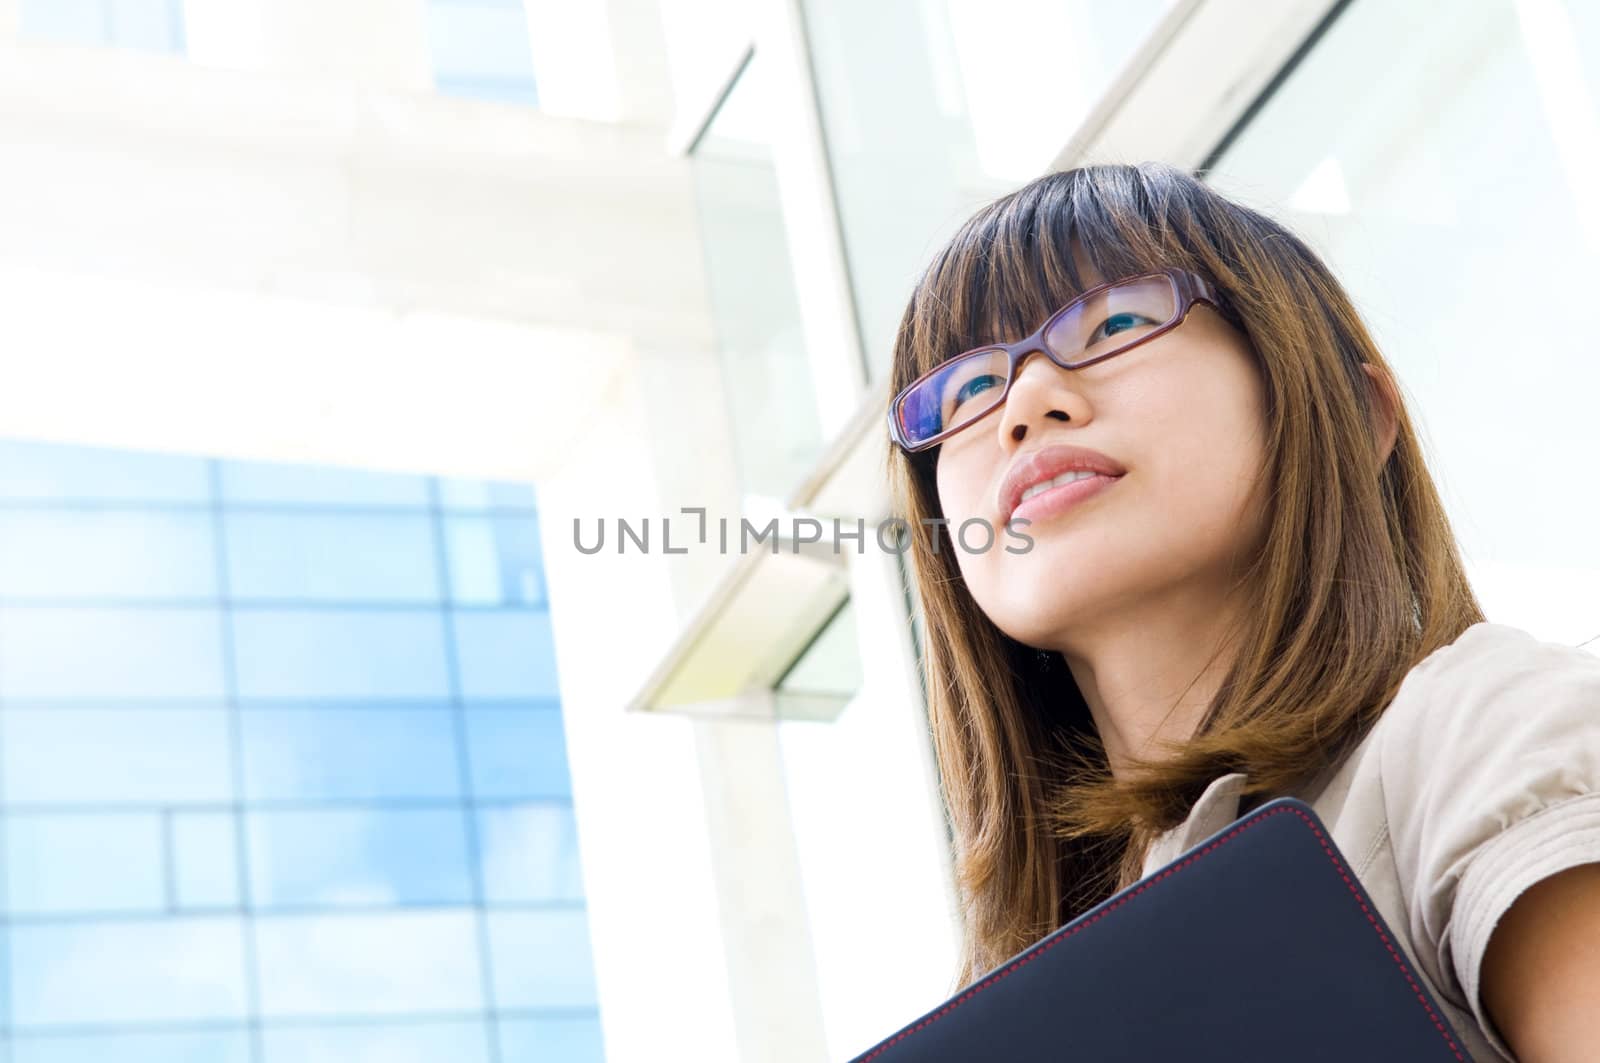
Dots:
pixel 1256 945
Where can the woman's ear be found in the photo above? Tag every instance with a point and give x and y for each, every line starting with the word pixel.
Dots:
pixel 1386 409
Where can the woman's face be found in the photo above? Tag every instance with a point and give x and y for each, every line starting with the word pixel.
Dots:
pixel 1183 416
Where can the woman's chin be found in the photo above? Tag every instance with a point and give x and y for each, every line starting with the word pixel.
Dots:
pixel 1034 628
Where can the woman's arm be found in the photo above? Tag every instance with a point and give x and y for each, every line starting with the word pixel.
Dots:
pixel 1541 969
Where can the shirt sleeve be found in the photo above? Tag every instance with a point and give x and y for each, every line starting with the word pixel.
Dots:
pixel 1491 779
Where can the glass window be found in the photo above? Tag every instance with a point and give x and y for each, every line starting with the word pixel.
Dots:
pixel 495 560
pixel 187 1046
pixel 916 112
pixel 326 754
pixel 339 653
pixel 368 964
pixel 94 756
pixel 205 859
pixel 459 494
pixel 481 50
pixel 53 652
pixel 319 485
pixel 506 654
pixel 136 971
pixel 518 753
pixel 571 1039
pixel 78 554
pixel 826 675
pixel 84 863
pixel 1448 206
pixel 150 25
pixel 529 853
pixel 771 399
pixel 358 857
pixel 350 557
pixel 153 25
pixel 67 21
pixel 55 472
pixel 542 959
pixel 409 1042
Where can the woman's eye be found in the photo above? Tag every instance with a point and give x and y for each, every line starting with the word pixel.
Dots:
pixel 973 387
pixel 1119 323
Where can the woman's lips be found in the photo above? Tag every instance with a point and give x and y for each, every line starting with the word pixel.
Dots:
pixel 1047 463
pixel 1047 504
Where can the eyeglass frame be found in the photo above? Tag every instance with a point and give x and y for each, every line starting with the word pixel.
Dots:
pixel 1189 288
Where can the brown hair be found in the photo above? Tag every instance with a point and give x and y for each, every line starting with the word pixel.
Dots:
pixel 1359 576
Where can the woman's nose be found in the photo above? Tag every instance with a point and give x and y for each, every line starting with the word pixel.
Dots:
pixel 1042 391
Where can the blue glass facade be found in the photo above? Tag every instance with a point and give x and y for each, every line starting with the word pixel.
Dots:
pixel 282 769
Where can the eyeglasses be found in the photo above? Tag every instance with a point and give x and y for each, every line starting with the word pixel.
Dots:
pixel 1102 322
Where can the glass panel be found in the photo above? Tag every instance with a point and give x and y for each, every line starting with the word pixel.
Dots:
pixel 107 555
pixel 916 112
pixel 67 21
pixel 518 753
pixel 339 653
pixel 1447 207
pixel 332 557
pixel 486 494
pixel 153 25
pixel 411 1042
pixel 494 560
pixel 205 859
pixel 358 857
pixel 110 653
pixel 262 482
pixel 481 50
pixel 385 964
pixel 767 377
pixel 193 1046
pixel 827 674
pixel 167 970
pixel 506 654
pixel 542 959
pixel 316 754
pixel 53 472
pixel 529 853
pixel 570 1039
pixel 85 863
pixel 90 756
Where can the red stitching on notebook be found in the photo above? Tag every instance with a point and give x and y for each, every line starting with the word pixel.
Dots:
pixel 1040 950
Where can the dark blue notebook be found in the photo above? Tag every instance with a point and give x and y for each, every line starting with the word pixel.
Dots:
pixel 1256 945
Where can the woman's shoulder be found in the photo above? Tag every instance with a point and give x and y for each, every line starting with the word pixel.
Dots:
pixel 1487 643
pixel 1490 729
pixel 1494 675
pixel 1498 720
pixel 1492 685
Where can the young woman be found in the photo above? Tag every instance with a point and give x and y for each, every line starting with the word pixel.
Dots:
pixel 1238 582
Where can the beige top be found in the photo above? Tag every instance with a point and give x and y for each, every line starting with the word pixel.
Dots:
pixel 1481 778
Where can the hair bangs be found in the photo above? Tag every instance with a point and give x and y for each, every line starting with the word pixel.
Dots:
pixel 1025 256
